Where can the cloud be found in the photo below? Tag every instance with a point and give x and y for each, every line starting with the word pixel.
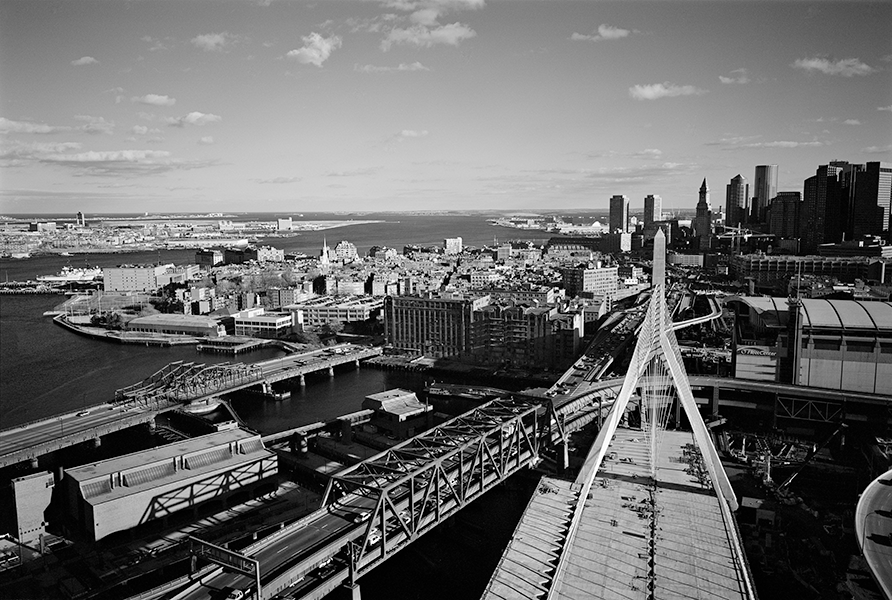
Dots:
pixel 649 153
pixel 278 180
pixel 851 122
pixel 740 78
pixel 605 32
pixel 121 162
pixel 415 66
pixel 193 118
pixel 654 91
pixel 886 108
pixel 411 133
pixel 86 60
pixel 212 42
pixel 139 129
pixel 424 36
pixel 358 172
pixel 783 144
pixel 118 92
pixel 847 67
pixel 207 140
pixel 95 125
pixel 877 149
pixel 10 126
pixel 24 150
pixel 157 44
pixel 316 49
pixel 154 100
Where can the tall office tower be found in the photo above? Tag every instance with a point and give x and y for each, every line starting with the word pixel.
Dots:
pixel 737 195
pixel 821 218
pixel 703 220
pixel 783 215
pixel 80 219
pixel 871 199
pixel 764 189
pixel 619 213
pixel 653 209
pixel 659 273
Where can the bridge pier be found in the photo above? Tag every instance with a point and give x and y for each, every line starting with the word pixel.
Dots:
pixel 715 400
pixel 331 371
pixel 33 463
pixel 356 362
pixel 563 455
pixel 96 442
pixel 353 591
pixel 303 381
pixel 346 431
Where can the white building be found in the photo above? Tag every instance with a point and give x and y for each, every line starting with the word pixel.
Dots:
pixel 453 245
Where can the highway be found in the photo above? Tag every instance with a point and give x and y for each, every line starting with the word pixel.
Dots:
pixel 873 526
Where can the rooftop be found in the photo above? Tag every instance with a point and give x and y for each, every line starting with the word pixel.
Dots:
pixel 824 313
pixel 172 318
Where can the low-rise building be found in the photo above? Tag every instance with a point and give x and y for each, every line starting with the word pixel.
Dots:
pixel 174 324
pixel 398 413
pixel 256 322
pixel 312 314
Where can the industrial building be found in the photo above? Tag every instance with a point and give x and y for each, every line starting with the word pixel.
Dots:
pixel 399 413
pixel 256 322
pixel 120 493
pixel 313 313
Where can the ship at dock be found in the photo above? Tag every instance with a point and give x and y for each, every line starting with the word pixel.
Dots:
pixel 73 275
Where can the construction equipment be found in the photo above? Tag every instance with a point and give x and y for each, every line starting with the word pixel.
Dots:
pixel 810 456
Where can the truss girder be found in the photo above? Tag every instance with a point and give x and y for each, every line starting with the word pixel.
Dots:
pixel 809 410
pixel 179 381
pixel 420 482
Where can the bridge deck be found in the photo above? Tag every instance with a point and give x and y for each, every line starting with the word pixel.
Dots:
pixel 609 553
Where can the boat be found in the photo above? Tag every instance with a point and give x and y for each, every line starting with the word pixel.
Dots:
pixel 73 275
pixel 201 407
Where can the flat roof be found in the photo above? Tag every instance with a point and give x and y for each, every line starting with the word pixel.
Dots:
pixel 161 453
pixel 175 319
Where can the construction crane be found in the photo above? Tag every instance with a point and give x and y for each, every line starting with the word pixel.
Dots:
pixel 735 233
pixel 810 456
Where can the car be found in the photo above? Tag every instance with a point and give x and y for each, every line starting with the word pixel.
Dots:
pixel 235 595
pixel 362 517
pixel 83 413
pixel 374 536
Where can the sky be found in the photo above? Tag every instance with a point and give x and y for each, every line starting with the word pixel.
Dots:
pixel 372 105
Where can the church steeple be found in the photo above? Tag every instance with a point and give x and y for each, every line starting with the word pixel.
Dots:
pixel 703 186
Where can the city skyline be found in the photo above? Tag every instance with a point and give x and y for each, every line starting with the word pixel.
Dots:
pixel 288 106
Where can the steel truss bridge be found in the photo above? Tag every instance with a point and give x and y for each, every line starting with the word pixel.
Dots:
pixel 180 382
pixel 376 508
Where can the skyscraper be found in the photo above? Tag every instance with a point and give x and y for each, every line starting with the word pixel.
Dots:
pixel 764 190
pixel 871 200
pixel 619 213
pixel 703 220
pixel 653 209
pixel 783 216
pixel 821 219
pixel 737 195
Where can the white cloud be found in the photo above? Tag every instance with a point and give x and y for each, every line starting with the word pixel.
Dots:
pixel 139 129
pixel 10 126
pixel 95 124
pixel 278 180
pixel 847 67
pixel 21 150
pixel 157 44
pixel 206 140
pixel 121 162
pixel 649 152
pixel 212 42
pixel 85 60
pixel 316 49
pixel 108 156
pixel 605 32
pixel 415 66
pixel 412 133
pixel 654 91
pixel 193 118
pixel 738 76
pixel 851 122
pixel 886 108
pixel 877 149
pixel 154 100
pixel 424 36
pixel 783 144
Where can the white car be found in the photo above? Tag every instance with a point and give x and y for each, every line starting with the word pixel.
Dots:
pixel 235 595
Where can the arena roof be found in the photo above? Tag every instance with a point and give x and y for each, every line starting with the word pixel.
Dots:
pixel 830 314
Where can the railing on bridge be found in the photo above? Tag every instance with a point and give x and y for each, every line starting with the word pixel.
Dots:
pixel 422 481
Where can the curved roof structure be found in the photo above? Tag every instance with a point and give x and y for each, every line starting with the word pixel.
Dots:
pixel 830 314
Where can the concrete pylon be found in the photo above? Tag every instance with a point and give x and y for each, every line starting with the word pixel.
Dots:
pixel 657 342
pixel 659 265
